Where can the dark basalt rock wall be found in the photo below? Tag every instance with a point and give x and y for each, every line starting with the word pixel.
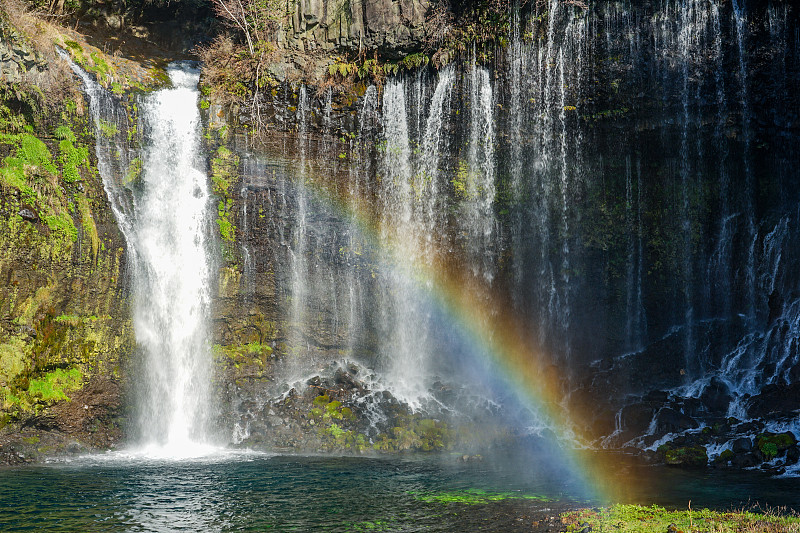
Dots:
pixel 657 144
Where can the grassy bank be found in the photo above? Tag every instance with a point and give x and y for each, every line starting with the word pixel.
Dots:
pixel 639 519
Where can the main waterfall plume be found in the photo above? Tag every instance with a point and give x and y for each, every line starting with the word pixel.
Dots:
pixel 163 213
pixel 172 271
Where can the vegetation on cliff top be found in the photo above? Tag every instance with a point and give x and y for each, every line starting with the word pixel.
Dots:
pixel 238 65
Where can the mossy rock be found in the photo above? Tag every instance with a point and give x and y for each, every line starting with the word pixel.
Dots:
pixel 687 456
pixel 771 445
pixel 322 400
pixel 724 457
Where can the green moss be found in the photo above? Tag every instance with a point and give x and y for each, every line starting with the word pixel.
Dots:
pixel 62 225
pixel 725 456
pixel 34 152
pixel 250 349
pixel 54 386
pixel 41 298
pixel 14 353
pixel 72 158
pixel 30 171
pixel 65 133
pixel 100 67
pixel 88 225
pixel 70 320
pixel 687 456
pixel 223 172
pixel 373 525
pixel 474 496
pixel 76 51
pixel 134 172
pixel 769 450
pixel 322 400
pixel 770 445
pixel 107 129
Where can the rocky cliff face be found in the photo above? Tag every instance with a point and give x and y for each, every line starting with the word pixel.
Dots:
pixel 65 329
pixel 638 215
pixel 17 58
pixel 393 28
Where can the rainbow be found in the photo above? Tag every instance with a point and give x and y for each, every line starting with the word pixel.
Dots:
pixel 503 346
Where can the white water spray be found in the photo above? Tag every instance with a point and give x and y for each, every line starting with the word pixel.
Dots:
pixel 165 228
pixel 172 291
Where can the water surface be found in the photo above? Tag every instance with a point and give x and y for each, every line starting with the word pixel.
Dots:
pixel 258 492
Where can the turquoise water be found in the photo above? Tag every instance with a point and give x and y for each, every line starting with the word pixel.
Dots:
pixel 291 493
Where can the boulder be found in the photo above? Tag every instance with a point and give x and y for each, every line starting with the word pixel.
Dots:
pixel 690 456
pixel 716 396
pixel 671 421
pixel 745 460
pixel 792 455
pixel 742 445
pixel 777 400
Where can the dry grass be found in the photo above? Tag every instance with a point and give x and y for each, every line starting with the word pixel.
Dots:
pixel 55 82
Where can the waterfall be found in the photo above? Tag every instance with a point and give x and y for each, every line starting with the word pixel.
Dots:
pixel 478 218
pixel 739 23
pixel 114 156
pixel 634 307
pixel 720 269
pixel 516 66
pixel 407 348
pixel 165 227
pixel 297 249
pixel 545 169
pixel 172 285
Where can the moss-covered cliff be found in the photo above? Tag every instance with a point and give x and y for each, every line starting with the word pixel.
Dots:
pixel 65 328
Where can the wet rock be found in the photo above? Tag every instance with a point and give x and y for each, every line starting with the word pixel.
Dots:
pixel 657 396
pixel 745 460
pixel 274 421
pixel 771 445
pixel 671 421
pixel 775 304
pixel 777 400
pixel 689 456
pixel 724 458
pixel 792 455
pixel 247 406
pixel 742 445
pixel 28 215
pixel 344 379
pixel 754 426
pixel 637 417
pixel 716 396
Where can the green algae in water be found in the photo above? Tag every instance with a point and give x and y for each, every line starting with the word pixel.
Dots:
pixel 375 525
pixel 475 496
